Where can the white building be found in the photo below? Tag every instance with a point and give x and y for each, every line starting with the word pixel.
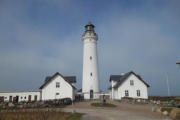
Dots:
pixel 54 87
pixel 20 96
pixel 58 87
pixel 90 80
pixel 128 85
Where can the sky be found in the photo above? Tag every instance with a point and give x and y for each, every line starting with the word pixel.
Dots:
pixel 41 37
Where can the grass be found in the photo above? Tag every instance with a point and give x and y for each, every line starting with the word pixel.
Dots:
pixel 40 115
pixel 102 105
pixel 175 114
pixel 74 116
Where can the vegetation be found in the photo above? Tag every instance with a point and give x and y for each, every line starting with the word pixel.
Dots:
pixel 102 105
pixel 40 115
pixel 175 114
pixel 74 116
pixel 168 109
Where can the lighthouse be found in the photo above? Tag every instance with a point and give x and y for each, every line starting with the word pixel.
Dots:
pixel 90 80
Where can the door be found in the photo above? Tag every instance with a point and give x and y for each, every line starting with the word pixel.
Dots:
pixel 10 98
pixel 29 98
pixel 1 99
pixel 91 94
pixel 35 98
pixel 17 98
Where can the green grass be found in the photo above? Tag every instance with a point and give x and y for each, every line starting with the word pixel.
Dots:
pixel 74 116
pixel 102 105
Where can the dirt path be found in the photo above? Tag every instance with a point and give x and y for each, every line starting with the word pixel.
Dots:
pixel 121 112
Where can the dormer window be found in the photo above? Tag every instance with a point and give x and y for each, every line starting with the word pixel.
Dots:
pixel 131 82
pixel 57 84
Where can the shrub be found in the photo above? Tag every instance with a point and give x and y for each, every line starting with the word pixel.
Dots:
pixel 175 114
pixel 168 109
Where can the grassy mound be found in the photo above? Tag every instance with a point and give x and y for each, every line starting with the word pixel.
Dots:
pixel 102 105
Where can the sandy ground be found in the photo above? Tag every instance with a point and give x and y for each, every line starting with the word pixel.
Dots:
pixel 123 111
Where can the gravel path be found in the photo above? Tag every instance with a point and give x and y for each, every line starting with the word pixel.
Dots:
pixel 121 112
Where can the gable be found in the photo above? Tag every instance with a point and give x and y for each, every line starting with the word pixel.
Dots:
pixel 136 82
pixel 121 79
pixel 48 80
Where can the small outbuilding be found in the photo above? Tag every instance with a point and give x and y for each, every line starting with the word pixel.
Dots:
pixel 128 85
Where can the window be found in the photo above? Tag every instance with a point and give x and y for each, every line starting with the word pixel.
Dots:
pixel 131 82
pixel 57 93
pixel 24 97
pixel 126 93
pixel 21 97
pixel 91 74
pixel 138 93
pixel 90 57
pixel 57 84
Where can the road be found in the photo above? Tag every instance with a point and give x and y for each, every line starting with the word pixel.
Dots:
pixel 123 111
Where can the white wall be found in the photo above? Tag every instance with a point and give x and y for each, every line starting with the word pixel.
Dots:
pixel 23 96
pixel 138 85
pixel 65 90
pixel 90 66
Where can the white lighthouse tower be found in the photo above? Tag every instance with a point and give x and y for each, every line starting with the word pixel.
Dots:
pixel 90 83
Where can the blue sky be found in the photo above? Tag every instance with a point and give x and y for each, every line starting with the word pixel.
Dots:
pixel 41 37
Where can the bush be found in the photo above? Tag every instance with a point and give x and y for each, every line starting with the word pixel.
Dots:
pixel 175 114
pixel 168 109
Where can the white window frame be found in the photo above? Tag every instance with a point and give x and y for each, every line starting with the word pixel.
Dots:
pixel 126 93
pixel 138 93
pixel 131 82
pixel 57 84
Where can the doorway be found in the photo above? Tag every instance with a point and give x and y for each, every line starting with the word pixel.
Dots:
pixel 1 99
pixel 35 98
pixel 29 98
pixel 10 98
pixel 91 94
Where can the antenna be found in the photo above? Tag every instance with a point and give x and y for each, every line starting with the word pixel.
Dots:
pixel 167 82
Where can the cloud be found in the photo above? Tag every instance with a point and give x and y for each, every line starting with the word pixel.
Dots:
pixel 38 39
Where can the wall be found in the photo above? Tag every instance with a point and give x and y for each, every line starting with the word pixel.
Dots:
pixel 90 66
pixel 138 85
pixel 65 90
pixel 22 96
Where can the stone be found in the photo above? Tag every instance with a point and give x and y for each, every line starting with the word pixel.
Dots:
pixel 154 109
pixel 139 100
pixel 165 113
pixel 11 104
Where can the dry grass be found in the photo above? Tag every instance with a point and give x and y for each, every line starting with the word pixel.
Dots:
pixel 175 114
pixel 40 115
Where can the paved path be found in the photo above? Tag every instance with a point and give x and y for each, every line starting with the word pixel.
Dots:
pixel 121 112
